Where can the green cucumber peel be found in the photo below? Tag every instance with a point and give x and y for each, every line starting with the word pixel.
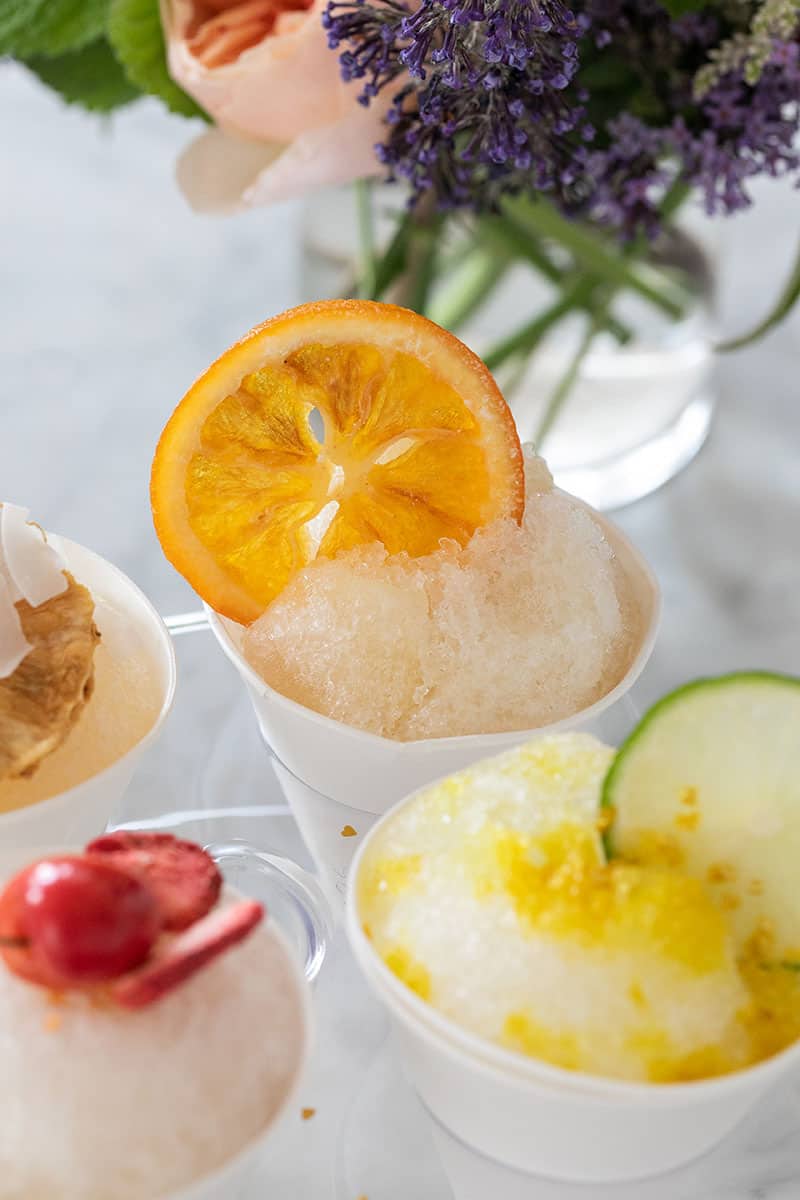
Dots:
pixel 705 682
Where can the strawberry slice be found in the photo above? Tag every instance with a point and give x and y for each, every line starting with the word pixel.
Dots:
pixel 184 879
pixel 187 954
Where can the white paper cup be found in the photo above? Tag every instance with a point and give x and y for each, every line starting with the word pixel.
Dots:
pixel 80 813
pixel 367 774
pixel 231 1180
pixel 331 831
pixel 299 922
pixel 537 1118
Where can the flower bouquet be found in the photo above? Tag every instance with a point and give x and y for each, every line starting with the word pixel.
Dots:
pixel 535 152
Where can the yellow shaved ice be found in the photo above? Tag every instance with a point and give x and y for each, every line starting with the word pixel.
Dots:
pixel 519 628
pixel 490 896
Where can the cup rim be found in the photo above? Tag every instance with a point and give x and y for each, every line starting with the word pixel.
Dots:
pixel 67 797
pixel 509 1065
pixel 650 624
pixel 252 1147
pixel 304 890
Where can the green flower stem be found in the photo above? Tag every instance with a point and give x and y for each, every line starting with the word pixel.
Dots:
pixel 366 238
pixel 508 236
pixel 512 374
pixel 506 232
pixel 528 337
pixel 677 193
pixel 415 287
pixel 423 258
pixel 781 309
pixel 567 381
pixel 394 260
pixel 477 273
pixel 590 252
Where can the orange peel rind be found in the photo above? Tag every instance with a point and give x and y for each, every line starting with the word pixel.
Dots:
pixel 336 424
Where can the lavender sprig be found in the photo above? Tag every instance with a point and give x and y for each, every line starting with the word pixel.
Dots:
pixel 774 22
pixel 745 131
pixel 488 99
pixel 486 104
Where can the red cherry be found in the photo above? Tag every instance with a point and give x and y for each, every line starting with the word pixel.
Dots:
pixel 69 922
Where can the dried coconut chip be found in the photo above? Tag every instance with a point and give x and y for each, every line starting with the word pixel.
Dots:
pixel 34 568
pixel 14 646
pixel 30 570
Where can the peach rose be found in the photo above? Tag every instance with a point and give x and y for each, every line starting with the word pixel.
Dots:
pixel 285 120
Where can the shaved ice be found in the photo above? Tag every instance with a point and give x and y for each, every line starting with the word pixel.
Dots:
pixel 489 896
pixel 521 627
pixel 100 1103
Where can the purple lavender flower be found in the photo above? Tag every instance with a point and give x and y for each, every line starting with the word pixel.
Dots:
pixel 489 104
pixel 716 145
pixel 498 96
pixel 741 131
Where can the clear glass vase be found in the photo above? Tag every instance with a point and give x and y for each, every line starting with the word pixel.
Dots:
pixel 638 409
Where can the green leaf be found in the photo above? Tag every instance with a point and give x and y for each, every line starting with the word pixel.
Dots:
pixel 72 24
pixel 17 17
pixel 677 8
pixel 91 77
pixel 608 73
pixel 49 27
pixel 136 35
pixel 783 306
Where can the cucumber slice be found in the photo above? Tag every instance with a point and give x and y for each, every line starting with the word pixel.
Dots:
pixel 712 775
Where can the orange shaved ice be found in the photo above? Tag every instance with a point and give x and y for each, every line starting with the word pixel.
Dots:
pixel 524 625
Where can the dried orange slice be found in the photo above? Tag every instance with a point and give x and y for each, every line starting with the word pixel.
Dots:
pixel 336 424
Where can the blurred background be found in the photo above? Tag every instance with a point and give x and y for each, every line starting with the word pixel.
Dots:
pixel 115 296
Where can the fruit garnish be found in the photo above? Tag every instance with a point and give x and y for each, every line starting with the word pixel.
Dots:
pixel 31 570
pixel 711 779
pixel 186 954
pixel 133 913
pixel 185 881
pixel 43 698
pixel 69 921
pixel 334 425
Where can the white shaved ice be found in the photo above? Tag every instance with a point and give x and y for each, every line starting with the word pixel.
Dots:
pixel 102 1104
pixel 444 908
pixel 521 627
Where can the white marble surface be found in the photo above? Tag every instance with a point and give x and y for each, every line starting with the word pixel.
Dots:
pixel 114 297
